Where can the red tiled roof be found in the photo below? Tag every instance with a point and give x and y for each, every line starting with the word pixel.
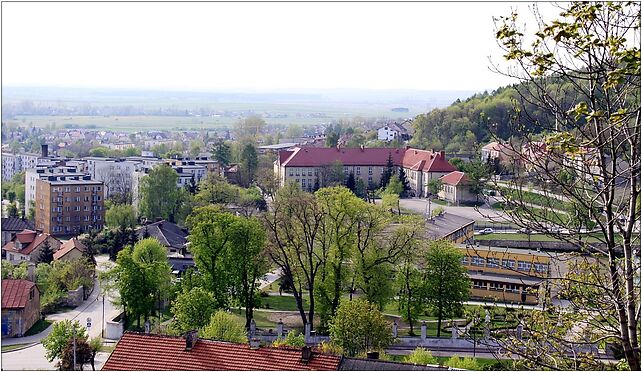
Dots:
pixel 455 178
pixel 68 246
pixel 136 351
pixel 35 243
pixel 25 236
pixel 426 161
pixel 319 156
pixel 15 293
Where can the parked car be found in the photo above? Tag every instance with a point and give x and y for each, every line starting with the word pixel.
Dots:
pixel 524 230
pixel 485 231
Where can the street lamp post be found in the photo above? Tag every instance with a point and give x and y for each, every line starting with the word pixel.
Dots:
pixel 102 331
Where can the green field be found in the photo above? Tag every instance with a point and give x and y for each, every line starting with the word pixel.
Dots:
pixel 296 114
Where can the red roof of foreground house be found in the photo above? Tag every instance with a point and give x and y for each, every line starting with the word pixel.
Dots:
pixel 29 241
pixel 455 178
pixel 68 246
pixel 415 159
pixel 15 293
pixel 137 351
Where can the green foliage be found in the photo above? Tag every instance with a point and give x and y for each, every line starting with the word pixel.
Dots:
pixel 100 152
pixel 437 211
pixel 17 271
pixel 458 163
pixel 292 339
pixel 359 326
pixel 394 187
pixel 121 216
pixel 46 253
pixel 249 163
pixel 446 280
pixel 225 327
pixel 160 196
pixel 467 363
pixel 388 172
pixel 420 356
pixel 223 153
pixel 192 309
pixel 434 186
pixel 60 335
pixel 84 354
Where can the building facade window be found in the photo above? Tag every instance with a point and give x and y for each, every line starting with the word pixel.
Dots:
pixel 492 262
pixel 523 266
pixel 509 264
pixel 478 261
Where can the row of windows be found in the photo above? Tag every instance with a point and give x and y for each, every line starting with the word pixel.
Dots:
pixel 315 171
pixel 495 286
pixel 76 218
pixel 76 208
pixel 81 227
pixel 75 188
pixel 504 263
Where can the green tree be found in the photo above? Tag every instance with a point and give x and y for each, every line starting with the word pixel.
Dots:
pixel 360 327
pixel 388 172
pixel 249 164
pixel 225 327
pixel 458 163
pixel 446 280
pixel 478 173
pixel 100 152
pixel 246 262
pixel 210 238
pixel 394 187
pixel 192 309
pixel 46 253
pixel 61 333
pixel 434 186
pixel 160 196
pixel 350 182
pixel 12 210
pixel 121 216
pixel 410 285
pixel 405 184
pixel 223 153
pixel 582 70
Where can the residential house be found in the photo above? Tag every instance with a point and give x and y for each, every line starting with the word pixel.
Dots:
pixel 70 250
pixel 455 188
pixel 20 306
pixel 170 235
pixel 391 132
pixel 13 225
pixel 26 246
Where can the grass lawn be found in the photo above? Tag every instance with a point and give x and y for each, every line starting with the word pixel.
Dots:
pixel 38 327
pixel 6 348
pixel 285 303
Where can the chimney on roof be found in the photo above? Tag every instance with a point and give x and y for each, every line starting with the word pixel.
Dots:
pixel 442 153
pixel 31 272
pixel 306 354
pixel 191 338
pixel 255 343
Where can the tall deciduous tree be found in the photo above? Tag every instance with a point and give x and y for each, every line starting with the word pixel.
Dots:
pixel 209 240
pixel 160 196
pixel 583 71
pixel 61 332
pixel 121 216
pixel 446 280
pixel 246 261
pixel 293 224
pixel 249 163
pixel 223 153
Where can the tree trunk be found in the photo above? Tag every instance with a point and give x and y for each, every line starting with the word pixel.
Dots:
pixel 439 315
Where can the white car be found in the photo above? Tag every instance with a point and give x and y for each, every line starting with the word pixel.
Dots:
pixel 485 231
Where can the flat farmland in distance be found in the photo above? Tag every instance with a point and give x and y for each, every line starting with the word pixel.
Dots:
pixel 300 114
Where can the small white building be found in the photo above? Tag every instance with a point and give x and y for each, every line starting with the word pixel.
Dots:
pixel 387 133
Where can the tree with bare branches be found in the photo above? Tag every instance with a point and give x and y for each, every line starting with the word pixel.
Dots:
pixel 582 71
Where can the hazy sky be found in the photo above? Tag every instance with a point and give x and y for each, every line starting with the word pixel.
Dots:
pixel 210 46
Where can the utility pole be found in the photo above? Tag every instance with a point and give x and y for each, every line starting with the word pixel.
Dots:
pixel 102 331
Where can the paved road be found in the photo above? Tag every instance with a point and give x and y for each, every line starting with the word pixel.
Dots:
pixel 482 213
pixel 34 357
pixel 270 278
